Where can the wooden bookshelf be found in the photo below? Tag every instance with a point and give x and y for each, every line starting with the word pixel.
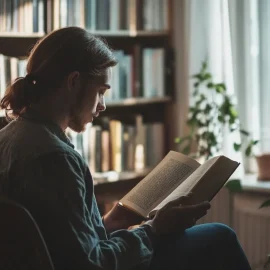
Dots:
pixel 103 33
pixel 18 35
pixel 115 40
pixel 153 109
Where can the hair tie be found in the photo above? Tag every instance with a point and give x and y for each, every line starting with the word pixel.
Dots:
pixel 30 79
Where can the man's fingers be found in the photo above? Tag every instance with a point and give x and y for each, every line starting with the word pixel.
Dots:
pixel 179 200
pixel 197 207
pixel 197 210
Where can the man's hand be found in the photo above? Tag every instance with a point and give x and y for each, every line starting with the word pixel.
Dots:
pixel 120 218
pixel 176 216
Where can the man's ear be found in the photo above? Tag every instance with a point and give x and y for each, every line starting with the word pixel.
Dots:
pixel 73 81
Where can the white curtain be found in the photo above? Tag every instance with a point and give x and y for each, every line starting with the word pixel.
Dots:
pixel 210 38
pixel 251 53
pixel 264 72
pixel 245 51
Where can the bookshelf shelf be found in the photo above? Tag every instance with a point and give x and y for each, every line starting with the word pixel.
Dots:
pixel 104 33
pixel 111 177
pixel 131 34
pixel 20 35
pixel 138 101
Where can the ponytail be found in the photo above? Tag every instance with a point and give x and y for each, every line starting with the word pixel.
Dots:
pixel 15 99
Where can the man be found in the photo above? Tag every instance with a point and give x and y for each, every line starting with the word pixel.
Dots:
pixel 67 76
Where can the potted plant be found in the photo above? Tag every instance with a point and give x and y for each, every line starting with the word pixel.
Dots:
pixel 208 119
pixel 211 113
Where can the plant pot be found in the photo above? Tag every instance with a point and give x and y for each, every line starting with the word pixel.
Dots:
pixel 263 164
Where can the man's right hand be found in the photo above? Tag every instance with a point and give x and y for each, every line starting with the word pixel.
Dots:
pixel 176 216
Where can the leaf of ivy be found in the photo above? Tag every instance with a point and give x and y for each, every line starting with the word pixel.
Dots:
pixel 237 146
pixel 265 204
pixel 234 185
pixel 248 150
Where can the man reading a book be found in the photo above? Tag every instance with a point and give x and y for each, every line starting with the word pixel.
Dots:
pixel 67 76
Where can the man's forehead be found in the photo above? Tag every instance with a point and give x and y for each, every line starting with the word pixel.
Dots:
pixel 105 77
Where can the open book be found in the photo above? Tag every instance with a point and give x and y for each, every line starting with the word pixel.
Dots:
pixel 178 175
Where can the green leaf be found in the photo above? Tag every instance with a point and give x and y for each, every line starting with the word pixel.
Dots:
pixel 248 150
pixel 233 112
pixel 219 89
pixel 265 204
pixel 244 132
pixel 254 142
pixel 207 76
pixel 196 76
pixel 221 119
pixel 234 185
pixel 204 65
pixel 186 150
pixel 237 146
pixel 223 86
pixel 207 109
pixel 180 141
pixel 210 85
pixel 196 84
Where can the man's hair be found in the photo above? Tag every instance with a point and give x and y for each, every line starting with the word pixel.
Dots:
pixel 51 60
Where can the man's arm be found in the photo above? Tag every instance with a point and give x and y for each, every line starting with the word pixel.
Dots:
pixel 64 207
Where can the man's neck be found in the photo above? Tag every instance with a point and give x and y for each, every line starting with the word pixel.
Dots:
pixel 55 115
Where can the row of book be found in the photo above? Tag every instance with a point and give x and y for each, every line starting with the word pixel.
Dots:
pixel 28 16
pixel 113 15
pixel 140 74
pixel 10 69
pixel 22 16
pixel 120 146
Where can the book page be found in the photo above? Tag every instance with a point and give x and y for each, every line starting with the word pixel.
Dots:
pixel 214 179
pixel 186 187
pixel 159 183
pixel 205 182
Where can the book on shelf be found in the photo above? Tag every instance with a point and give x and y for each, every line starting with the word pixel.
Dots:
pixel 131 78
pixel 143 73
pixel 108 15
pixel 10 69
pixel 120 146
pixel 22 16
pixel 28 16
pixel 175 176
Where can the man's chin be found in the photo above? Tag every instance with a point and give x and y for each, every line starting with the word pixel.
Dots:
pixel 77 127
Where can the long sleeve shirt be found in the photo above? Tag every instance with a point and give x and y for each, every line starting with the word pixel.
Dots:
pixel 40 169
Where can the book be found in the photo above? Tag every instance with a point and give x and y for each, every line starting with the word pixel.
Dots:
pixel 175 176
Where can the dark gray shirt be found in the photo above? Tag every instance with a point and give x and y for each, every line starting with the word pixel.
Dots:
pixel 40 169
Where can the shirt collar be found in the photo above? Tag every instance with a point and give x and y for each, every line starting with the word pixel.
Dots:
pixel 34 116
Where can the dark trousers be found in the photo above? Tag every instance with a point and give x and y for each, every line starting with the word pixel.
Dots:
pixel 210 246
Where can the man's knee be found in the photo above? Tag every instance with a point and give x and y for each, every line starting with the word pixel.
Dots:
pixel 223 231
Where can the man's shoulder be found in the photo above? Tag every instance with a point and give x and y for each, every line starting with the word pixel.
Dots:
pixel 33 140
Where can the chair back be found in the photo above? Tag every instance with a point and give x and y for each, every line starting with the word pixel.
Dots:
pixel 22 246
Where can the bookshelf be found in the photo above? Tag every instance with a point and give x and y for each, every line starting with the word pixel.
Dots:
pixel 139 31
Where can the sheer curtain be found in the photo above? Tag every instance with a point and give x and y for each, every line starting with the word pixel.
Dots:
pixel 250 21
pixel 245 51
pixel 210 38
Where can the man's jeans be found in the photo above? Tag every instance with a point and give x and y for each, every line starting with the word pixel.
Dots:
pixel 211 246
